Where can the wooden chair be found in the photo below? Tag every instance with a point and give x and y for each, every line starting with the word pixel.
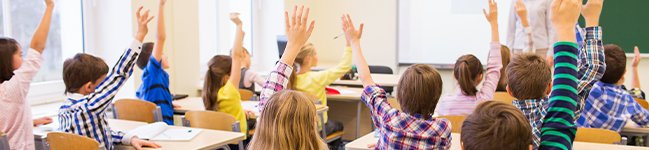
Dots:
pixel 642 103
pixel 246 95
pixel 137 110
pixel 67 141
pixel 456 122
pixel 503 97
pixel 213 120
pixel 4 141
pixel 593 135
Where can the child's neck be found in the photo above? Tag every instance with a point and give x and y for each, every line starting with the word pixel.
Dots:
pixel 304 69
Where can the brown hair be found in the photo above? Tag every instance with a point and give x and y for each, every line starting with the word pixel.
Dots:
pixel 528 76
pixel 306 50
pixel 8 47
pixel 287 122
pixel 505 55
pixel 419 90
pixel 615 64
pixel 219 67
pixel 81 69
pixel 466 69
pixel 145 55
pixel 496 125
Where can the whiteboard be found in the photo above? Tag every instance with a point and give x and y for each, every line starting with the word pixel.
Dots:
pixel 438 32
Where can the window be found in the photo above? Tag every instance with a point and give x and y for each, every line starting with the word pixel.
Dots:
pixel 20 18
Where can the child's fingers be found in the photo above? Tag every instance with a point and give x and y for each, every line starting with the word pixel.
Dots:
pixel 293 16
pixel 299 16
pixel 147 21
pixel 306 16
pixel 137 14
pixel 308 31
pixel 288 23
pixel 351 24
pixel 360 30
pixel 145 15
pixel 344 21
pixel 485 14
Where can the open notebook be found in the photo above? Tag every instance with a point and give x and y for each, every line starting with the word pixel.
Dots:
pixel 159 131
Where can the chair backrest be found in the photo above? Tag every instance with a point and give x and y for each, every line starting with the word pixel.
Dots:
pixel 456 122
pixel 210 120
pixel 67 141
pixel 503 97
pixel 4 141
pixel 245 94
pixel 314 98
pixel 136 110
pixel 642 103
pixel 594 135
pixel 380 70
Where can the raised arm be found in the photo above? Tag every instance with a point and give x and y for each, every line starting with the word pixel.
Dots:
pixel 494 64
pixel 635 79
pixel 161 34
pixel 559 129
pixel 297 34
pixel 354 37
pixel 492 17
pixel 237 50
pixel 40 36
pixel 592 62
pixel 528 44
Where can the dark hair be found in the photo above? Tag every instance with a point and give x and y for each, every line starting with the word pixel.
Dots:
pixel 145 55
pixel 528 76
pixel 615 64
pixel 306 50
pixel 219 67
pixel 81 69
pixel 505 55
pixel 8 47
pixel 496 125
pixel 466 69
pixel 419 89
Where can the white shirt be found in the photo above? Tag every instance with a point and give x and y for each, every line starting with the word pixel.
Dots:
pixel 538 15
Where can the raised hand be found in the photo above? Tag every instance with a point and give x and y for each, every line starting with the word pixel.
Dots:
pixel 351 33
pixel 142 21
pixel 297 33
pixel 163 1
pixel 49 2
pixel 636 58
pixel 492 16
pixel 521 11
pixel 591 12
pixel 564 16
pixel 235 18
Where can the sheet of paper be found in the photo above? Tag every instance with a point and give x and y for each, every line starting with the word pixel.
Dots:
pixel 251 105
pixel 177 135
pixel 345 91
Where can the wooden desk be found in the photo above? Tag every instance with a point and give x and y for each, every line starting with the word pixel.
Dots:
pixel 196 103
pixel 361 144
pixel 354 95
pixel 381 79
pixel 207 139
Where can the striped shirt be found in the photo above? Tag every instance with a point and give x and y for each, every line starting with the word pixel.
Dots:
pixel 155 89
pixel 16 117
pixel 559 129
pixel 461 104
pixel 610 107
pixel 591 69
pixel 86 114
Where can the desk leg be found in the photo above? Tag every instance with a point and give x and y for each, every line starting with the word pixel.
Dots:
pixel 358 120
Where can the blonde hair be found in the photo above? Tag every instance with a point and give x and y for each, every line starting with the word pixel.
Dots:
pixel 288 122
pixel 306 50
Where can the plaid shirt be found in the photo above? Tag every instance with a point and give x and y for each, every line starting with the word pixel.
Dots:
pixel 400 130
pixel 277 81
pixel 86 114
pixel 591 69
pixel 609 107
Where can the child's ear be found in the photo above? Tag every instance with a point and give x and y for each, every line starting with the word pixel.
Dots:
pixel 87 86
pixel 549 89
pixel 509 91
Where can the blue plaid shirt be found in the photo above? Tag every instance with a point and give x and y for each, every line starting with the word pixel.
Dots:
pixel 400 130
pixel 591 69
pixel 609 107
pixel 86 114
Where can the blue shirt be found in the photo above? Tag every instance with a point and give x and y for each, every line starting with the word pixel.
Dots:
pixel 155 89
pixel 610 107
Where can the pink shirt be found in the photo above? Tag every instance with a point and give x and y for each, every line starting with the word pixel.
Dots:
pixel 463 105
pixel 16 118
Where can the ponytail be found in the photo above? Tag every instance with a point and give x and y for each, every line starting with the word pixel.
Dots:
pixel 219 67
pixel 291 80
pixel 466 69
pixel 306 50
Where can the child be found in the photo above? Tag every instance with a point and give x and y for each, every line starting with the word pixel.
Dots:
pixel 219 92
pixel 419 90
pixel 468 73
pixel 287 117
pixel 496 125
pixel 610 105
pixel 528 45
pixel 15 79
pixel 529 76
pixel 155 80
pixel 248 77
pixel 90 91
pixel 506 57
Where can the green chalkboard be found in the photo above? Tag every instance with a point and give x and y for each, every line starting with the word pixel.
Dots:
pixel 625 23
